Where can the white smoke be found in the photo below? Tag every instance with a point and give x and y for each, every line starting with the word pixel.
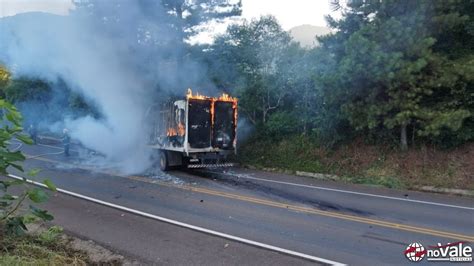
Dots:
pixel 95 65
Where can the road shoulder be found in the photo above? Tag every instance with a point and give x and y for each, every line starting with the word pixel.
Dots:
pixel 151 242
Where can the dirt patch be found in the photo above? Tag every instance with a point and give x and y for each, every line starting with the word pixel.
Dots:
pixel 96 254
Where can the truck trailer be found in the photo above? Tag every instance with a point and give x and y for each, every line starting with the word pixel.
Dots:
pixel 195 132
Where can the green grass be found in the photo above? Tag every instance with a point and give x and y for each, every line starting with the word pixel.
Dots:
pixel 46 248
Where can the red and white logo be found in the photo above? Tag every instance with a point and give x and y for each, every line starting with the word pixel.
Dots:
pixel 451 252
pixel 415 252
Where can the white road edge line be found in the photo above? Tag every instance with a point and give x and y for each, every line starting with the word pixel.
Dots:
pixel 348 191
pixel 185 225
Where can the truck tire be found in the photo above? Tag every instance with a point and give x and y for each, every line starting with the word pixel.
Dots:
pixel 164 164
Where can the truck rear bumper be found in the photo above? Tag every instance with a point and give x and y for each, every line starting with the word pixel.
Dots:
pixel 212 165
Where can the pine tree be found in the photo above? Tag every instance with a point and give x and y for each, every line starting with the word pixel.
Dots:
pixel 394 69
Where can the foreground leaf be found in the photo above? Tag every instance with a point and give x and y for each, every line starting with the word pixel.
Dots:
pixel 25 139
pixel 34 172
pixel 43 214
pixel 50 184
pixel 16 226
pixel 37 195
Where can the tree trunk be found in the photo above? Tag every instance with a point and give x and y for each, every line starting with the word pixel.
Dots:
pixel 403 137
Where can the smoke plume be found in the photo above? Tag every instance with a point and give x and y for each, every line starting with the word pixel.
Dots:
pixel 118 68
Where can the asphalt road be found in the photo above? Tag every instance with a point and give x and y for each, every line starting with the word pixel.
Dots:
pixel 356 225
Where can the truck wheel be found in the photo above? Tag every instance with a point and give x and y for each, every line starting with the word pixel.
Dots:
pixel 164 164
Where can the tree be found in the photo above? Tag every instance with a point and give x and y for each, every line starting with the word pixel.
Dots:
pixel 388 72
pixel 23 89
pixel 189 15
pixel 156 23
pixel 253 54
pixel 154 34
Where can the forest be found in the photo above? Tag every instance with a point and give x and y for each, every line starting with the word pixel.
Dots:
pixel 387 98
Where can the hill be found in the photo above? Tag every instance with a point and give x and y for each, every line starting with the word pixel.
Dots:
pixel 306 34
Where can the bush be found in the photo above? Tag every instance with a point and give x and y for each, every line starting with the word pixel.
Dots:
pixel 281 124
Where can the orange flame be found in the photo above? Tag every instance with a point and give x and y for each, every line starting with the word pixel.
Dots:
pixel 197 96
pixel 212 112
pixel 180 131
pixel 223 98
pixel 171 132
pixel 226 98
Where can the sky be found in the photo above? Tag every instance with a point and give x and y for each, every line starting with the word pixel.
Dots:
pixel 289 13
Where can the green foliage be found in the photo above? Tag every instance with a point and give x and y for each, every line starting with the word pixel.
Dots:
pixel 28 89
pixel 10 219
pixel 281 124
pixel 11 121
pixel 190 14
pixel 51 186
pixel 42 214
pixel 37 195
pixel 249 58
pixel 391 72
pixel 181 18
pixel 391 69
pixel 46 102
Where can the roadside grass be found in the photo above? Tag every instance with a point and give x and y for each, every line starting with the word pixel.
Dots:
pixel 362 163
pixel 44 248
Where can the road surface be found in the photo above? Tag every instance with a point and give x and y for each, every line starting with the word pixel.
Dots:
pixel 343 223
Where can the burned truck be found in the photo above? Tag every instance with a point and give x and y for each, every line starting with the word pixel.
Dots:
pixel 195 132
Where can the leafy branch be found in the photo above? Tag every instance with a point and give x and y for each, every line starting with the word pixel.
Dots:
pixel 12 219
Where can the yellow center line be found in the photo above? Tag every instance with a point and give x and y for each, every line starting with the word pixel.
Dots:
pixel 314 211
pixel 332 214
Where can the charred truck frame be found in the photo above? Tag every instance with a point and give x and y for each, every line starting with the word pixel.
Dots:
pixel 196 132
